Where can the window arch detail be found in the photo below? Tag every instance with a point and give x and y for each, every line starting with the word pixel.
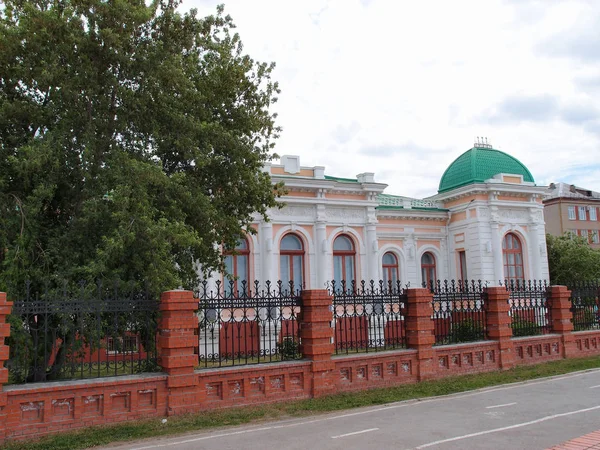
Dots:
pixel 391 269
pixel 237 266
pixel 428 268
pixel 512 257
pixel 291 261
pixel 344 259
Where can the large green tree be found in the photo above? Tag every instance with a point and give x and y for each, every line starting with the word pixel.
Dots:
pixel 571 259
pixel 132 138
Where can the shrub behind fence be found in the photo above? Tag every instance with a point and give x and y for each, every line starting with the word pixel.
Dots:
pixel 368 317
pixel 530 307
pixel 84 332
pixel 458 311
pixel 242 324
pixel 585 303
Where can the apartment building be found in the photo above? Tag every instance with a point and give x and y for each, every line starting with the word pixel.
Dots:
pixel 569 208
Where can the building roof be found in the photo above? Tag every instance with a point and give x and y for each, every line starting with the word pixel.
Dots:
pixel 565 190
pixel 479 164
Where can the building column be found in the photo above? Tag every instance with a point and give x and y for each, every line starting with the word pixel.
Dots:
pixel 372 252
pixel 536 260
pixel 269 272
pixel 321 251
pixel 497 252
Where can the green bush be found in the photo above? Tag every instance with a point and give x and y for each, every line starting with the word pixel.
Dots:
pixel 468 330
pixel 289 348
pixel 521 327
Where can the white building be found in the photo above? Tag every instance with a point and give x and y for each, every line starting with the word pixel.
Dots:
pixel 485 223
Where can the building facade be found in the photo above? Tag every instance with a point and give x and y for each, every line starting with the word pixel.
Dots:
pixel 485 223
pixel 568 208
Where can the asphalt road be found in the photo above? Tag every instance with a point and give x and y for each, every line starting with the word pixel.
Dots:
pixel 532 415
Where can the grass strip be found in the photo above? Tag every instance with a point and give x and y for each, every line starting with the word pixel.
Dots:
pixel 206 420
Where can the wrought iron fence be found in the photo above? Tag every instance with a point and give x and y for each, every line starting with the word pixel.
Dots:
pixel 458 311
pixel 240 324
pixel 84 332
pixel 368 317
pixel 530 307
pixel 585 305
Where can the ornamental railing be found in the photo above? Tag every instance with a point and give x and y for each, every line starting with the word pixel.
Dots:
pixel 368 316
pixel 585 305
pixel 241 323
pixel 458 311
pixel 80 332
pixel 530 307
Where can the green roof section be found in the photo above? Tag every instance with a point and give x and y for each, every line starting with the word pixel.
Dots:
pixel 342 180
pixel 479 164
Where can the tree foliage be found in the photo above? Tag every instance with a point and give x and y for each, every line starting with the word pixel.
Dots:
pixel 572 259
pixel 132 139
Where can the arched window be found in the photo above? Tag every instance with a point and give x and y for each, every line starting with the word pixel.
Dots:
pixel 512 255
pixel 390 269
pixel 428 274
pixel 343 260
pixel 237 266
pixel 291 261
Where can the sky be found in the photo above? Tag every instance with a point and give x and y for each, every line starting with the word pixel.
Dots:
pixel 402 88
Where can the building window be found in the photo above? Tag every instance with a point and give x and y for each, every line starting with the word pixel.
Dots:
pixel 291 261
pixel 595 238
pixel 512 254
pixel 428 274
pixel 462 258
pixel 572 213
pixel 582 214
pixel 237 268
pixel 125 344
pixel 343 260
pixel 390 269
pixel 593 213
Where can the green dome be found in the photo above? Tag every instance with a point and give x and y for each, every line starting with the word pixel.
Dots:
pixel 479 164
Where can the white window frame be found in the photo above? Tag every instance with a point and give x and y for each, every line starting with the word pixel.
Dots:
pixel 595 237
pixel 593 213
pixel 581 213
pixel 572 213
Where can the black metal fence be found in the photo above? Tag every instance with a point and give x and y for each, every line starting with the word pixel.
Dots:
pixel 530 307
pixel 458 311
pixel 585 305
pixel 368 317
pixel 84 332
pixel 239 323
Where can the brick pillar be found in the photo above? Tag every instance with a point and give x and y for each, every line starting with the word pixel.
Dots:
pixel 5 308
pixel 316 338
pixel 419 330
pixel 176 343
pixel 498 324
pixel 560 312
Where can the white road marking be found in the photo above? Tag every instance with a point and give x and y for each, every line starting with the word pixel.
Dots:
pixel 594 387
pixel 369 411
pixel 518 425
pixel 352 434
pixel 501 406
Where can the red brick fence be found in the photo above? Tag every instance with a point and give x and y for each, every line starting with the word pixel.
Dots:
pixel 38 409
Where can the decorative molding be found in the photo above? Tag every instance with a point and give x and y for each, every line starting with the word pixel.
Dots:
pixel 299 211
pixel 513 214
pixel 345 213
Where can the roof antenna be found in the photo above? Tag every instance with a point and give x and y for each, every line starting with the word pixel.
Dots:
pixel 482 142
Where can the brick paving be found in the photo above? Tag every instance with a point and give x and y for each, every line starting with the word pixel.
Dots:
pixel 586 442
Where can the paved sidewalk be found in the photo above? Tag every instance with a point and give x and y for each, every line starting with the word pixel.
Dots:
pixel 589 441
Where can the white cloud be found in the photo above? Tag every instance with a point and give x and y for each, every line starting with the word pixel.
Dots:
pixel 402 88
